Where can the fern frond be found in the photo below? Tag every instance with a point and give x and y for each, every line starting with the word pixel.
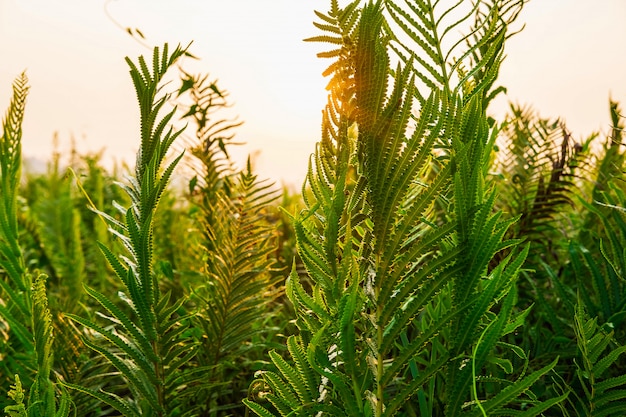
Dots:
pixel 147 345
pixel 599 373
pixel 109 398
pixel 340 24
pixel 238 262
pixel 382 259
pixel 42 399
pixel 238 242
pixel 540 165
pixel 481 237
pixel 11 259
pixel 16 307
pixel 426 45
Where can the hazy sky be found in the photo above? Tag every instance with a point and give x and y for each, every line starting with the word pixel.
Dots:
pixel 567 62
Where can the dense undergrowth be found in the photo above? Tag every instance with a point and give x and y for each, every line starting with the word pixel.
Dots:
pixel 436 263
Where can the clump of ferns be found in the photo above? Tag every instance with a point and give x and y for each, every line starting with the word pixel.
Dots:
pixel 376 254
pixel 539 171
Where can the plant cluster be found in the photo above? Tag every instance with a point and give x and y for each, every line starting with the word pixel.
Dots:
pixel 436 263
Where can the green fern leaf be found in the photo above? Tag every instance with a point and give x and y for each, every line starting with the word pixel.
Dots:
pixel 257 409
pixel 109 398
pixel 603 364
pixel 513 391
pixel 146 352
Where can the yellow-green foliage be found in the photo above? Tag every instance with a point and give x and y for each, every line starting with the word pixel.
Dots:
pixel 442 263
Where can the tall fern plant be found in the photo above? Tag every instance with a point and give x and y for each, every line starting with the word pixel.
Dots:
pixel 23 300
pixel 145 342
pixel 15 283
pixel 404 310
pixel 237 283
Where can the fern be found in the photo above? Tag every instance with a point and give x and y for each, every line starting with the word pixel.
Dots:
pixel 237 284
pixel 378 256
pixel 599 371
pixel 324 236
pixel 15 291
pixel 14 283
pixel 42 401
pixel 148 349
pixel 42 397
pixel 10 164
pixel 468 65
pixel 480 234
pixel 539 169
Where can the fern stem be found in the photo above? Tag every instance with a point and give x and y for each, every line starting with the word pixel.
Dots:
pixel 379 360
pixel 474 389
pixel 160 376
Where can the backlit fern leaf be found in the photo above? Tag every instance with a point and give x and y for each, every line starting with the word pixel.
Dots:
pixel 239 284
pixel 324 235
pixel 425 44
pixel 382 263
pixel 539 164
pixel 340 27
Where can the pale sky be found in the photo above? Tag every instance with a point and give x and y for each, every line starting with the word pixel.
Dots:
pixel 567 62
